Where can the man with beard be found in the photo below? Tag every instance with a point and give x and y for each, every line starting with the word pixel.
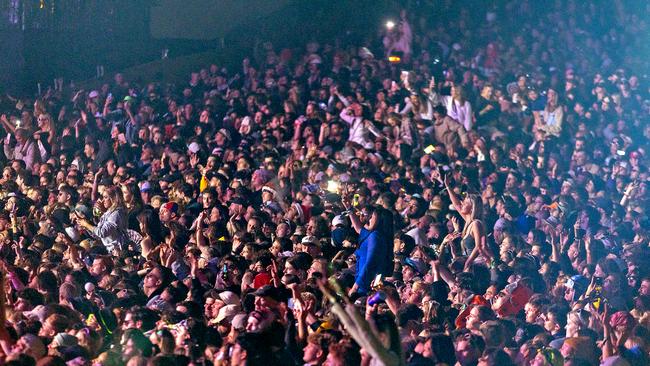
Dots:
pixel 102 266
pixel 417 222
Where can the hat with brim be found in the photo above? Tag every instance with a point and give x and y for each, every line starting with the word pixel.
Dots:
pixel 64 340
pixel 309 240
pixel 227 313
pixel 229 298
pixel 416 264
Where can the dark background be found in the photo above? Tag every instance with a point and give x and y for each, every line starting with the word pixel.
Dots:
pixel 44 39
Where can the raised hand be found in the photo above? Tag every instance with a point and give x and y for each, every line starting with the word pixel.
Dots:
pixel 455 223
pixel 194 160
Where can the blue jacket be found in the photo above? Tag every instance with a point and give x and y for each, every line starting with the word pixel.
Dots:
pixel 373 258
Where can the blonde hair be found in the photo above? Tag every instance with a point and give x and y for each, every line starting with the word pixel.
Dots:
pixel 117 199
pixel 477 206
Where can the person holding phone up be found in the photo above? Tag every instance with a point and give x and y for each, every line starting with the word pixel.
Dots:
pixel 374 253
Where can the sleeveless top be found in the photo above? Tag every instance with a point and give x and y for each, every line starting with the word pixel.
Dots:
pixel 467 241
pixel 468 244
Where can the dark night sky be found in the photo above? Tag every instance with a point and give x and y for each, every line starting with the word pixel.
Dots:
pixel 205 19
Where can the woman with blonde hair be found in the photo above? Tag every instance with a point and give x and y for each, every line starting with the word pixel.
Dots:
pixel 550 119
pixel 474 239
pixel 111 228
pixel 45 135
pixel 577 320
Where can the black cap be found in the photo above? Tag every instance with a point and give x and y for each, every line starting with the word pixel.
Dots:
pixel 272 292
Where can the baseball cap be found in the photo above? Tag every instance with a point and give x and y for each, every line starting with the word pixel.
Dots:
pixel 194 147
pixel 578 283
pixel 338 220
pixel 64 340
pixel 269 291
pixel 229 298
pixel 417 265
pixel 84 210
pixel 227 313
pixel 309 240
pixel 171 206
pixel 239 321
pixel 39 312
pixel 145 187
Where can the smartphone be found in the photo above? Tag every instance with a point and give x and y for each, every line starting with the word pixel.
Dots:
pixel 598 282
pixel 377 282
pixel 291 304
pixel 429 149
pixel 620 152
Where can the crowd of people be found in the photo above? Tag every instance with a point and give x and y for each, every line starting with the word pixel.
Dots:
pixel 484 201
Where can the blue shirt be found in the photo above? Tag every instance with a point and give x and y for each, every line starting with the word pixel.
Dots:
pixel 372 258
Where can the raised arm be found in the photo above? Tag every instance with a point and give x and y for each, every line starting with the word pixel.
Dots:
pixel 7 125
pixel 347 116
pixel 453 196
pixel 354 219
pixel 9 152
pixel 200 238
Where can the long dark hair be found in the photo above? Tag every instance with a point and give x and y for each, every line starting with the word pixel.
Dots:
pixel 151 225
pixel 384 227
pixel 384 222
pixel 133 189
